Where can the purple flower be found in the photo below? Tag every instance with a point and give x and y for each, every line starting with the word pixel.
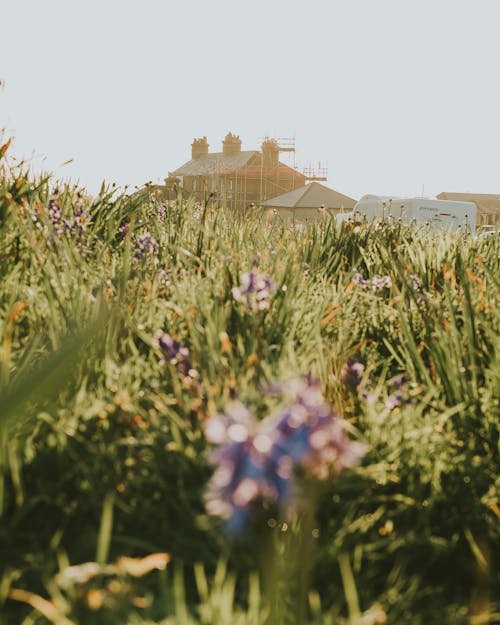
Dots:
pixel 178 355
pixel 393 401
pixel 378 283
pixel 161 212
pixel 417 287
pixel 400 380
pixel 255 289
pixel 172 348
pixel 259 459
pixel 75 227
pixel 381 282
pixel 351 373
pixel 358 279
pixel 123 229
pixel 145 245
pixel 415 282
pixel 400 397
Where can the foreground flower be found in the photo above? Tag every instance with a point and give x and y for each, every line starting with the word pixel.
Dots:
pixel 264 459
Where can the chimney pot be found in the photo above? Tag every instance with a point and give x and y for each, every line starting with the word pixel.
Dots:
pixel 231 144
pixel 199 147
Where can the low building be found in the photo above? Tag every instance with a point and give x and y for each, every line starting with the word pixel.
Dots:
pixel 488 205
pixel 235 178
pixel 310 202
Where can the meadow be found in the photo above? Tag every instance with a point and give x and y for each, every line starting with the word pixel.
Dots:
pixel 225 419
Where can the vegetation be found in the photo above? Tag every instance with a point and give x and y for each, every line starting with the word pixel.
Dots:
pixel 127 324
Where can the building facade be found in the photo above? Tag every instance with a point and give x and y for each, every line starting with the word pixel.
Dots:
pixel 233 177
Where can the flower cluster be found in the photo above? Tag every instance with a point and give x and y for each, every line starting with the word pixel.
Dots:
pixel 161 212
pixel 262 459
pixel 255 290
pixel 177 355
pixel 74 227
pixel 145 245
pixel 378 283
pixel 164 276
pixel 123 230
pixel 351 373
pixel 400 395
pixel 422 295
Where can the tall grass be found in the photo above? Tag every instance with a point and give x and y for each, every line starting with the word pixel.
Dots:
pixel 102 452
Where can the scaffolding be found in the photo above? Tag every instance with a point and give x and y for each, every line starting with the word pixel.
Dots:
pixel 262 177
pixel 284 144
pixel 316 172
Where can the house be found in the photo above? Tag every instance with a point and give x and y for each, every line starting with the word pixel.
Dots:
pixel 233 177
pixel 310 202
pixel 488 205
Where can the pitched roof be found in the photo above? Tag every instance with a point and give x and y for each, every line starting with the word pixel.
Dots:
pixel 215 163
pixel 312 195
pixel 487 203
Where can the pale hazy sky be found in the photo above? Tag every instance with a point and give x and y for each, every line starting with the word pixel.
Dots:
pixel 393 95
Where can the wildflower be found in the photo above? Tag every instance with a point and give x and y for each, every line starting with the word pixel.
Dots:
pixel 400 397
pixel 312 435
pixel 123 229
pixel 393 401
pixel 240 476
pixel 259 459
pixel 351 373
pixel 399 381
pixel 255 289
pixel 381 282
pixel 378 283
pixel 178 356
pixel 358 280
pixel 73 227
pixel 172 348
pixel 415 282
pixel 146 245
pixel 161 213
pixel 164 277
pixel 417 287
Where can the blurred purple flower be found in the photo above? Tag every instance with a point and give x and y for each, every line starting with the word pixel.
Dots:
pixel 417 287
pixel 178 355
pixel 378 283
pixel 400 397
pixel 161 212
pixel 351 373
pixel 259 459
pixel 145 245
pixel 358 279
pixel 399 380
pixel 381 282
pixel 73 227
pixel 415 282
pixel 123 229
pixel 393 401
pixel 255 289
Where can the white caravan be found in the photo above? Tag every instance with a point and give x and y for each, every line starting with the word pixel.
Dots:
pixel 444 214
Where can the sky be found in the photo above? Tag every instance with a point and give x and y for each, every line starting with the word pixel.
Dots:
pixel 395 97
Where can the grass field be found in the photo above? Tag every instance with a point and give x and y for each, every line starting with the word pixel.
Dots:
pixel 210 418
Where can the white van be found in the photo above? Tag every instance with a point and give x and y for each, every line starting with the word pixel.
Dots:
pixel 444 214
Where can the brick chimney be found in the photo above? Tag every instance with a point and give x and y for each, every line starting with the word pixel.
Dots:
pixel 270 153
pixel 231 144
pixel 199 147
